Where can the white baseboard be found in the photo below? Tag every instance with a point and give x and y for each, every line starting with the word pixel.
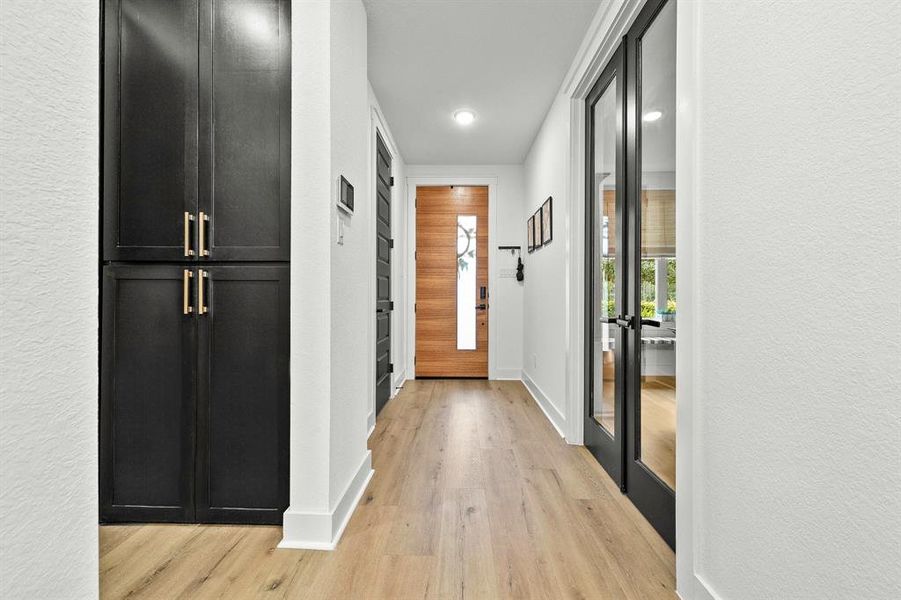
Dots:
pixel 370 424
pixel 550 411
pixel 398 382
pixel 697 589
pixel 322 531
pixel 505 374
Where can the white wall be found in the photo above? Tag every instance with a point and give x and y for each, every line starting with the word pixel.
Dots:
pixel 544 295
pixel 49 98
pixel 797 234
pixel 311 212
pixel 351 261
pixel 332 379
pixel 507 228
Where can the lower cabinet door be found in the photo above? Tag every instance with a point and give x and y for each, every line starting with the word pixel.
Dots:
pixel 147 395
pixel 242 394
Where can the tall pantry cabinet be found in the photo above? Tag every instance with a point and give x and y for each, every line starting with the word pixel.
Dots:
pixel 195 236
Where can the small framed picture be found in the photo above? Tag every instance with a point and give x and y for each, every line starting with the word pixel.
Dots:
pixel 547 221
pixel 530 233
pixel 537 232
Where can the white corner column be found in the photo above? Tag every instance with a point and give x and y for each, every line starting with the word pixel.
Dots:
pixel 330 465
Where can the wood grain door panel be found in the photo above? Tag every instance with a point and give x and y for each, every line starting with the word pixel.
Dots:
pixel 437 209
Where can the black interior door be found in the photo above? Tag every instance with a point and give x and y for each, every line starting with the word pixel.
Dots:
pixel 147 394
pixel 245 129
pixel 650 160
pixel 383 304
pixel 149 129
pixel 605 276
pixel 242 393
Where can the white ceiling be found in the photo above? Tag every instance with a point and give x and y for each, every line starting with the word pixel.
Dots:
pixel 503 59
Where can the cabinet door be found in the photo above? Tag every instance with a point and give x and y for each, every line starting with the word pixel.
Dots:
pixel 147 395
pixel 245 129
pixel 149 128
pixel 242 407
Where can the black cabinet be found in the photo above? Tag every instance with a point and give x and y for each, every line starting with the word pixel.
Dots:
pixel 194 393
pixel 147 387
pixel 245 133
pixel 242 395
pixel 196 130
pixel 150 121
pixel 194 396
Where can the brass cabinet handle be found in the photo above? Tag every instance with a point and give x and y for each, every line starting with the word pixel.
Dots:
pixel 203 219
pixel 202 308
pixel 187 274
pixel 188 218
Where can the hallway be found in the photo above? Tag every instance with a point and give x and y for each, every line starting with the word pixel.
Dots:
pixel 474 496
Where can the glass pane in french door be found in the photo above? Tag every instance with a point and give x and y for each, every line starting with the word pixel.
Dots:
pixel 658 245
pixel 604 249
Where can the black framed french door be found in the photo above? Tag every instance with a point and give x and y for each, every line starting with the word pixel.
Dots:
pixel 651 200
pixel 631 259
pixel 605 276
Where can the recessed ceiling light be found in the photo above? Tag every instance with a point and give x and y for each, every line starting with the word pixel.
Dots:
pixel 464 117
pixel 651 116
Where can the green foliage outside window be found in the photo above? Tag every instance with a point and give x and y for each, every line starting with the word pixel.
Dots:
pixel 648 306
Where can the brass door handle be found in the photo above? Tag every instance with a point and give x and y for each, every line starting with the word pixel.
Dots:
pixel 203 219
pixel 202 308
pixel 187 274
pixel 188 218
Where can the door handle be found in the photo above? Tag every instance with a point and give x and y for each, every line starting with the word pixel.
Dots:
pixel 202 220
pixel 651 322
pixel 187 274
pixel 626 322
pixel 481 306
pixel 188 219
pixel 621 321
pixel 202 308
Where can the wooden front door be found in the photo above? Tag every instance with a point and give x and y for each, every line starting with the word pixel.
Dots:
pixel 452 299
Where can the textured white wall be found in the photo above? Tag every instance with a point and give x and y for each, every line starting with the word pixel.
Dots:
pixel 311 214
pixel 330 383
pixel 544 295
pixel 797 431
pixel 49 211
pixel 351 262
pixel 508 227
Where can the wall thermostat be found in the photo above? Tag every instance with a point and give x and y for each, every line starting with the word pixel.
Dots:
pixel 345 196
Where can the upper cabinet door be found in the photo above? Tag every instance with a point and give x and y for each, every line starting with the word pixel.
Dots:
pixel 150 129
pixel 245 128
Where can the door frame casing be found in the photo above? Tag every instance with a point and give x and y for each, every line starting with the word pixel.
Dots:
pixel 412 183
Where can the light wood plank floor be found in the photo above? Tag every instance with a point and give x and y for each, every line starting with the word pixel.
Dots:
pixel 474 496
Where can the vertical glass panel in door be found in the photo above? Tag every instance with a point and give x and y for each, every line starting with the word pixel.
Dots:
pixel 657 125
pixel 466 282
pixel 604 260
